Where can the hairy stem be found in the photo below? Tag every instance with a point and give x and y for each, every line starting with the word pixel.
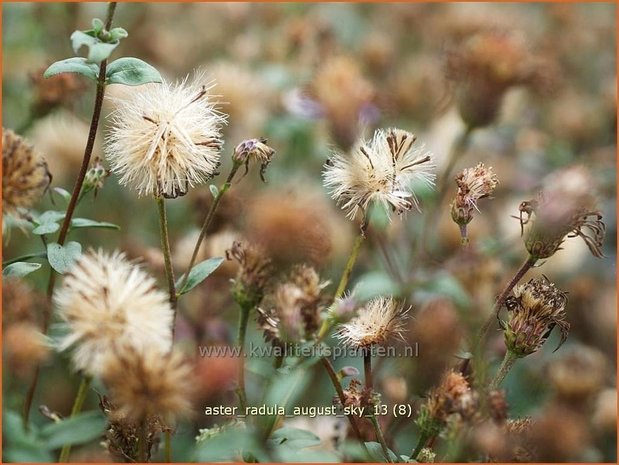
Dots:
pixel 64 229
pixel 240 342
pixel 506 365
pixel 381 438
pixel 208 220
pixel 77 408
pixel 326 363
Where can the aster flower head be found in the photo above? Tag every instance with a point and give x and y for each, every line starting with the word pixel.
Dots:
pixel 566 207
pixel 533 310
pixel 254 273
pixel 25 176
pixel 145 383
pixel 106 300
pixel 165 138
pixel 380 319
pixel 379 171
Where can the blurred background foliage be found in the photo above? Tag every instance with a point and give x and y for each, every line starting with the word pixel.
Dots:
pixel 311 78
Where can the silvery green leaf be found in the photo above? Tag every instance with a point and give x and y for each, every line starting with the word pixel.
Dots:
pixel 20 269
pixel 131 72
pixel 77 65
pixel 61 258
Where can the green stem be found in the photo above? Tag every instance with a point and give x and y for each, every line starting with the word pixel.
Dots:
pixel 167 254
pixel 209 218
pixel 506 365
pixel 423 439
pixel 64 229
pixel 381 438
pixel 168 446
pixel 352 259
pixel 240 342
pixel 77 408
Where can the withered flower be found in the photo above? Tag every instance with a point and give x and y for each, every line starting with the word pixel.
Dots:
pixel 254 150
pixel 25 176
pixel 484 66
pixel 253 275
pixel 564 208
pixel 165 138
pixel 377 321
pixel 145 383
pixel 291 313
pixel 473 184
pixel 379 171
pixel 533 310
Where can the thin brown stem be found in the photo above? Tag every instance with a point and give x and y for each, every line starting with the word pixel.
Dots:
pixel 167 254
pixel 64 229
pixel 380 438
pixel 142 440
pixel 240 341
pixel 326 363
pixel 367 367
pixel 207 221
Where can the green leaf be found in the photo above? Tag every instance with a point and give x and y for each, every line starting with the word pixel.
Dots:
pixel 199 273
pixel 295 437
pixel 77 223
pixel 97 50
pixel 46 228
pixel 50 216
pixel 214 190
pixel 20 446
pixel 97 25
pixel 77 65
pixel 66 195
pixel 376 452
pixel 118 33
pixel 61 258
pixel 80 429
pixel 20 269
pixel 131 72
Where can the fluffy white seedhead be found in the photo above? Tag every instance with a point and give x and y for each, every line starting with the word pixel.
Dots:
pixel 379 320
pixel 380 171
pixel 165 138
pixel 106 301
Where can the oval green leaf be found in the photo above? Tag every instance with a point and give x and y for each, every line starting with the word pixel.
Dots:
pixel 77 65
pixel 61 258
pixel 80 429
pixel 198 274
pixel 131 72
pixel 20 269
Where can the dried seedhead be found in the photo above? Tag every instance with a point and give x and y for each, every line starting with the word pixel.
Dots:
pixel 254 273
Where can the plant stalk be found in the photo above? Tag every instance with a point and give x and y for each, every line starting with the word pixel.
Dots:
pixel 167 254
pixel 421 443
pixel 367 367
pixel 168 447
pixel 64 229
pixel 240 342
pixel 506 365
pixel 208 220
pixel 381 438
pixel 142 438
pixel 77 408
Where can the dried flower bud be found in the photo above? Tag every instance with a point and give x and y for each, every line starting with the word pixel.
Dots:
pixel 484 66
pixel 533 310
pixel 565 208
pixel 473 184
pixel 95 176
pixel 343 309
pixel 253 275
pixel 358 395
pixel 291 313
pixel 254 150
pixel 25 176
pixel 426 455
pixel 379 320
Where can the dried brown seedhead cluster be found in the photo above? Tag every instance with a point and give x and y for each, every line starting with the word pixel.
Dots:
pixel 291 312
pixel 484 66
pixel 254 273
pixel 255 150
pixel 25 176
pixel 533 310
